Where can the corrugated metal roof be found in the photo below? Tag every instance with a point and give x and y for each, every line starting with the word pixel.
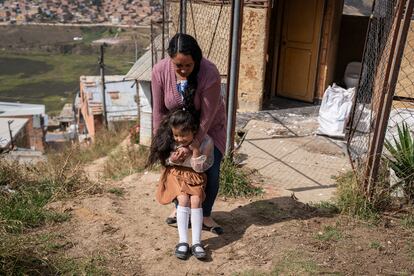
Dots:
pixel 16 126
pixel 142 68
pixel 121 105
pixel 8 109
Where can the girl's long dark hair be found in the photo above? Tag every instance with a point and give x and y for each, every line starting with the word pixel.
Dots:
pixel 187 117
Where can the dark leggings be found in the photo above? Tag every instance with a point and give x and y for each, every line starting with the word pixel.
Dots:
pixel 212 187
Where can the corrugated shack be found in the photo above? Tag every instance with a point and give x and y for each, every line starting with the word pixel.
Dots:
pixel 120 103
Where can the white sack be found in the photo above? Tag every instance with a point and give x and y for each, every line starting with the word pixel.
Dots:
pixel 335 108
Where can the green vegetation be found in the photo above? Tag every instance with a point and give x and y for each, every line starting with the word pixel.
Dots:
pixel 408 221
pixel 51 79
pixel 91 34
pixel 234 182
pixel 329 233
pixel 26 190
pixel 295 263
pixel 375 245
pixel 326 206
pixel 351 199
pixel 125 161
pixel 117 191
pixel 401 159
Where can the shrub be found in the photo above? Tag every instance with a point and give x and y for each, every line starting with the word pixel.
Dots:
pixel 234 182
pixel 401 159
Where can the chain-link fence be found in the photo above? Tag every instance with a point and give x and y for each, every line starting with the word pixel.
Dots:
pixel 385 97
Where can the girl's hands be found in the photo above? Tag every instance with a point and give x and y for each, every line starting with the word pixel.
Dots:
pixel 180 154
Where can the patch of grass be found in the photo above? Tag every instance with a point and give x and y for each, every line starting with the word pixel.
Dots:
pixel 295 263
pixel 25 190
pixel 375 245
pixel 30 189
pixel 117 191
pixel 408 221
pixel 126 161
pixel 329 233
pixel 104 143
pixel 43 255
pixel 327 207
pixel 351 200
pixel 234 182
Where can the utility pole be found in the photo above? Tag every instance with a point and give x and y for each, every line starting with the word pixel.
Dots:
pixel 233 72
pixel 11 134
pixel 102 71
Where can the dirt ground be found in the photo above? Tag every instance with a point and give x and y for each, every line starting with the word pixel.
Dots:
pixel 270 234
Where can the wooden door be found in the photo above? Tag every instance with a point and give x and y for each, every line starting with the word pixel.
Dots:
pixel 301 31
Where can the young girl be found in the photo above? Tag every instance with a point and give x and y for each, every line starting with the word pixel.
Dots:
pixel 183 178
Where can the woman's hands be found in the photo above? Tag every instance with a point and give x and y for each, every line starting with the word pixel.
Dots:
pixel 195 147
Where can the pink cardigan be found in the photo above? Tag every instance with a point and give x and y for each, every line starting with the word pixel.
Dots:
pixel 208 99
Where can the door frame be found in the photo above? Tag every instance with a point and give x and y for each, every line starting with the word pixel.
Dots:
pixel 275 22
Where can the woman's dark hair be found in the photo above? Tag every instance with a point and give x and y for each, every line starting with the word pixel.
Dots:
pixel 187 45
pixel 163 141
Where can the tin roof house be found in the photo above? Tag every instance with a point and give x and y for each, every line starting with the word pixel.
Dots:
pixel 27 124
pixel 119 98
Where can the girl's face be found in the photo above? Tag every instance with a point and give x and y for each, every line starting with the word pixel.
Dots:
pixel 183 64
pixel 182 138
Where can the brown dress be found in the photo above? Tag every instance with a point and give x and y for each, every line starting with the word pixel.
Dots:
pixel 179 180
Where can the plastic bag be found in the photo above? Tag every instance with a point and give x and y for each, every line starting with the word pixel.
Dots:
pixel 335 108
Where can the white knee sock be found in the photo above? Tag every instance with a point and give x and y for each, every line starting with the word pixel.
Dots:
pixel 183 214
pixel 196 225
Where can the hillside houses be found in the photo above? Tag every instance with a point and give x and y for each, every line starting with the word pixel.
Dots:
pixel 83 11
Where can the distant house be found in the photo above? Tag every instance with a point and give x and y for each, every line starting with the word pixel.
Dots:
pixel 141 73
pixel 120 103
pixel 35 123
pixel 13 133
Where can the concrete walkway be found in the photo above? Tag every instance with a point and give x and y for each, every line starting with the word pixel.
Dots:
pixel 283 146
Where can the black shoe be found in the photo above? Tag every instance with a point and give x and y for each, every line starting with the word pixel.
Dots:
pixel 201 255
pixel 171 220
pixel 183 255
pixel 218 230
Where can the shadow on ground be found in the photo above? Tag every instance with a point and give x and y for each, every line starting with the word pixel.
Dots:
pixel 260 213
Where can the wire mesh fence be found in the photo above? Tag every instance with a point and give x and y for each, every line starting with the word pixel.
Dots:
pixel 385 98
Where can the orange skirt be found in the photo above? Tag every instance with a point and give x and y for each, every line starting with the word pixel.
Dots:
pixel 176 181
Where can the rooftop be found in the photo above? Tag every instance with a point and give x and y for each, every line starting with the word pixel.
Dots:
pixel 9 109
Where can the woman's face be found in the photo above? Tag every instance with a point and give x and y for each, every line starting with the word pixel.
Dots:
pixel 183 64
pixel 182 138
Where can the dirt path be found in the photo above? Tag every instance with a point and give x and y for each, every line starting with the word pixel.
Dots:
pixel 266 234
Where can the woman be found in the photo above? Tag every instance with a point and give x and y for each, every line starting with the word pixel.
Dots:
pixel 186 71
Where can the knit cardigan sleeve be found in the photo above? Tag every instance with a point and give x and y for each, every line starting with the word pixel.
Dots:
pixel 210 102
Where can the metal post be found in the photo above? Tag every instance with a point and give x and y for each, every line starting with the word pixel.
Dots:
pixel 233 77
pixel 11 133
pixel 163 30
pixel 379 138
pixel 183 16
pixel 102 71
pixel 153 61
